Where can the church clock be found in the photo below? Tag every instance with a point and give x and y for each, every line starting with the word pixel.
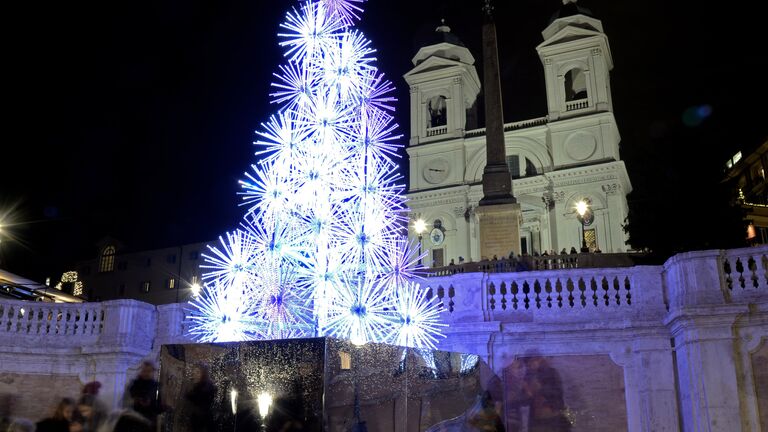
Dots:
pixel 436 171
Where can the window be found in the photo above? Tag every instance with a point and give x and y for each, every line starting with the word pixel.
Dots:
pixel 194 255
pixel 171 283
pixel 590 236
pixel 346 360
pixel 575 85
pixel 148 262
pixel 121 290
pixel 521 167
pixel 171 259
pixel 107 262
pixel 145 286
pixel 195 280
pixel 758 173
pixel 122 265
pixel 437 110
pixel 513 162
pixel 530 168
pixel 437 258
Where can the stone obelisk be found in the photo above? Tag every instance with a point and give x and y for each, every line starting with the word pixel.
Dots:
pixel 498 212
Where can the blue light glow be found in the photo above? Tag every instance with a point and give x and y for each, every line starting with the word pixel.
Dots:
pixel 322 250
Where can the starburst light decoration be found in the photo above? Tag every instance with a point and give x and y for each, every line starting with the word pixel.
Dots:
pixel 322 250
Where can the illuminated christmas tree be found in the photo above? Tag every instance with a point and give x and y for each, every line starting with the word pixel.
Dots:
pixel 322 250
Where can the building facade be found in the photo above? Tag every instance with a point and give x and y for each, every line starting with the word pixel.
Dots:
pixel 746 175
pixel 567 156
pixel 159 276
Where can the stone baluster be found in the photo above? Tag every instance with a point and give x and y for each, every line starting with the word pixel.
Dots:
pixel 702 321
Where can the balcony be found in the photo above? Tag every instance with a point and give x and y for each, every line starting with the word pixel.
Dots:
pixel 577 105
pixel 435 131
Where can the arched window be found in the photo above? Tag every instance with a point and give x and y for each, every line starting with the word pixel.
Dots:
pixel 107 261
pixel 518 170
pixel 575 85
pixel 530 168
pixel 438 111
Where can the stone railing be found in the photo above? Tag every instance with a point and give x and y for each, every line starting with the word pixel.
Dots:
pixel 552 295
pixel 529 263
pixel 744 273
pixel 577 105
pixel 54 321
pixel 511 126
pixel 76 325
pixel 435 131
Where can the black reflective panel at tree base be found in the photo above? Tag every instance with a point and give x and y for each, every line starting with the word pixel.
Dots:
pixel 326 384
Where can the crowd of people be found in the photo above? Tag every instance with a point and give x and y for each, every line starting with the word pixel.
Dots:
pixel 87 413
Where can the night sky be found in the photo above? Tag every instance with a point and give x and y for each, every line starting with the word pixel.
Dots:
pixel 135 119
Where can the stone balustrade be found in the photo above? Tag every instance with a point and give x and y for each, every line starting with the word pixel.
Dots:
pixel 435 131
pixel 57 323
pixel 576 105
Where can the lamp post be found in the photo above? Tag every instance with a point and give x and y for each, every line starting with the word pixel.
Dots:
pixel 264 402
pixel 420 227
pixel 582 209
pixel 195 288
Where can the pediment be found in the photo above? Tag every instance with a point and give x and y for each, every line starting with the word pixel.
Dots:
pixel 433 63
pixel 569 34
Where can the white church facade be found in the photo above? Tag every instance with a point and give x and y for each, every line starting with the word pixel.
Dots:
pixel 567 156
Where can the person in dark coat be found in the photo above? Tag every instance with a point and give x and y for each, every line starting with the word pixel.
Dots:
pixel 61 418
pixel 145 394
pixel 200 399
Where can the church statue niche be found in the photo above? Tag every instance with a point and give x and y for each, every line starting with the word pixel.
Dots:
pixel 437 109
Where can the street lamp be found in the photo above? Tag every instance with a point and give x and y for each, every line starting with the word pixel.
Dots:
pixel 420 227
pixel 582 209
pixel 264 401
pixel 195 287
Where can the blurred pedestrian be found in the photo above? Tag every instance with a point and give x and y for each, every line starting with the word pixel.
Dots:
pixel 200 399
pixel 145 393
pixel 62 417
pixel 93 412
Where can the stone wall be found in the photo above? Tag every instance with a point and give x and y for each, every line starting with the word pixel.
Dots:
pixel 36 396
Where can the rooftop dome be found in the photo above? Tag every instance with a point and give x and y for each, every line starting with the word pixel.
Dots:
pixel 570 8
pixel 442 34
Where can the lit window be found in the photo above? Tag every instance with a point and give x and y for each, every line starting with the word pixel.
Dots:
pixel 171 283
pixel 195 280
pixel 751 233
pixel 107 263
pixel 145 286
pixel 346 360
